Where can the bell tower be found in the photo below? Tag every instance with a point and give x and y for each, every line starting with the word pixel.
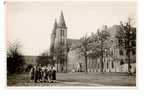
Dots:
pixel 61 36
pixel 60 43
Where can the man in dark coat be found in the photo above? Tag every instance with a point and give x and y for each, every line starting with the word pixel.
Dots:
pixel 36 74
pixel 46 74
pixel 53 74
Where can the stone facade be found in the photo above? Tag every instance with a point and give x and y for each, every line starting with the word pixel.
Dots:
pixel 74 62
pixel 118 64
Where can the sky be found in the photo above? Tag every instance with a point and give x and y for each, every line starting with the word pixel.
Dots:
pixel 32 22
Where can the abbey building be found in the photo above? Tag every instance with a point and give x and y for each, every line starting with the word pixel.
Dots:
pixel 67 59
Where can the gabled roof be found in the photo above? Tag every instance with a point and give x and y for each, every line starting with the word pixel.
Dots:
pixel 61 22
pixel 74 43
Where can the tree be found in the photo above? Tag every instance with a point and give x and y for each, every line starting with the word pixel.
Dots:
pixel 102 45
pixel 125 36
pixel 84 48
pixel 96 46
pixel 14 57
pixel 93 51
pixel 67 47
pixel 44 58
pixel 59 56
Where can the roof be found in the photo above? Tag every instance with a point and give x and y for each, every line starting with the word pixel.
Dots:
pixel 55 27
pixel 61 22
pixel 74 43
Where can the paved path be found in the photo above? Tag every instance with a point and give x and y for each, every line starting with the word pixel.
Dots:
pixel 75 84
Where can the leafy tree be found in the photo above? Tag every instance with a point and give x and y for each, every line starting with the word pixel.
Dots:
pixel 102 46
pixel 125 36
pixel 96 46
pixel 93 51
pixel 84 49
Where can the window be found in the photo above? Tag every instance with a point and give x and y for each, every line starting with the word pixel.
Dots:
pixel 121 62
pixel 121 52
pixel 112 64
pixel 62 41
pixel 133 43
pixel 61 32
pixel 133 51
pixel 127 52
pixel 120 42
pixel 62 36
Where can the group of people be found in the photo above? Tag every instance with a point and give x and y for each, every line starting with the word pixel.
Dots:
pixel 43 73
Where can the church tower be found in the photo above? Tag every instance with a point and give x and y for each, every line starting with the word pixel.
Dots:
pixel 53 35
pixel 58 47
pixel 61 32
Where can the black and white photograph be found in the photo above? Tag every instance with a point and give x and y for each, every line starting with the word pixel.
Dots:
pixel 71 44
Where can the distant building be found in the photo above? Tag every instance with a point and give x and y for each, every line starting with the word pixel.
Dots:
pixel 30 60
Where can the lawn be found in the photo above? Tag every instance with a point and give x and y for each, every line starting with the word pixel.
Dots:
pixel 77 79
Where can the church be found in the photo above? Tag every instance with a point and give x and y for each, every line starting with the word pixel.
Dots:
pixel 58 46
pixel 66 58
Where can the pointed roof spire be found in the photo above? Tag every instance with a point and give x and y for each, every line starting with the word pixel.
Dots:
pixel 62 20
pixel 54 28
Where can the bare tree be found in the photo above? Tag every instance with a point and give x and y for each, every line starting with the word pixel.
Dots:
pixel 44 58
pixel 14 57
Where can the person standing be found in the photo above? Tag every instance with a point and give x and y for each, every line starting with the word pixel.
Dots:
pixel 32 73
pixel 40 72
pixel 49 73
pixel 36 74
pixel 53 74
pixel 46 74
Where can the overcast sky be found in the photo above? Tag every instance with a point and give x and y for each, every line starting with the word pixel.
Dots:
pixel 32 22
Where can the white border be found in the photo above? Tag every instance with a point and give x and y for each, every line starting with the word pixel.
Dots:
pixel 68 87
pixel 103 93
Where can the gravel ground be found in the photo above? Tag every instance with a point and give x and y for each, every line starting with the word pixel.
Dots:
pixel 76 79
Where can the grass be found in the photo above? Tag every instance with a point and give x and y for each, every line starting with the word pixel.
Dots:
pixel 77 79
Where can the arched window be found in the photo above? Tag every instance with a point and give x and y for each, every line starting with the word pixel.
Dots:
pixel 121 62
pixel 121 52
pixel 134 51
pixel 61 32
